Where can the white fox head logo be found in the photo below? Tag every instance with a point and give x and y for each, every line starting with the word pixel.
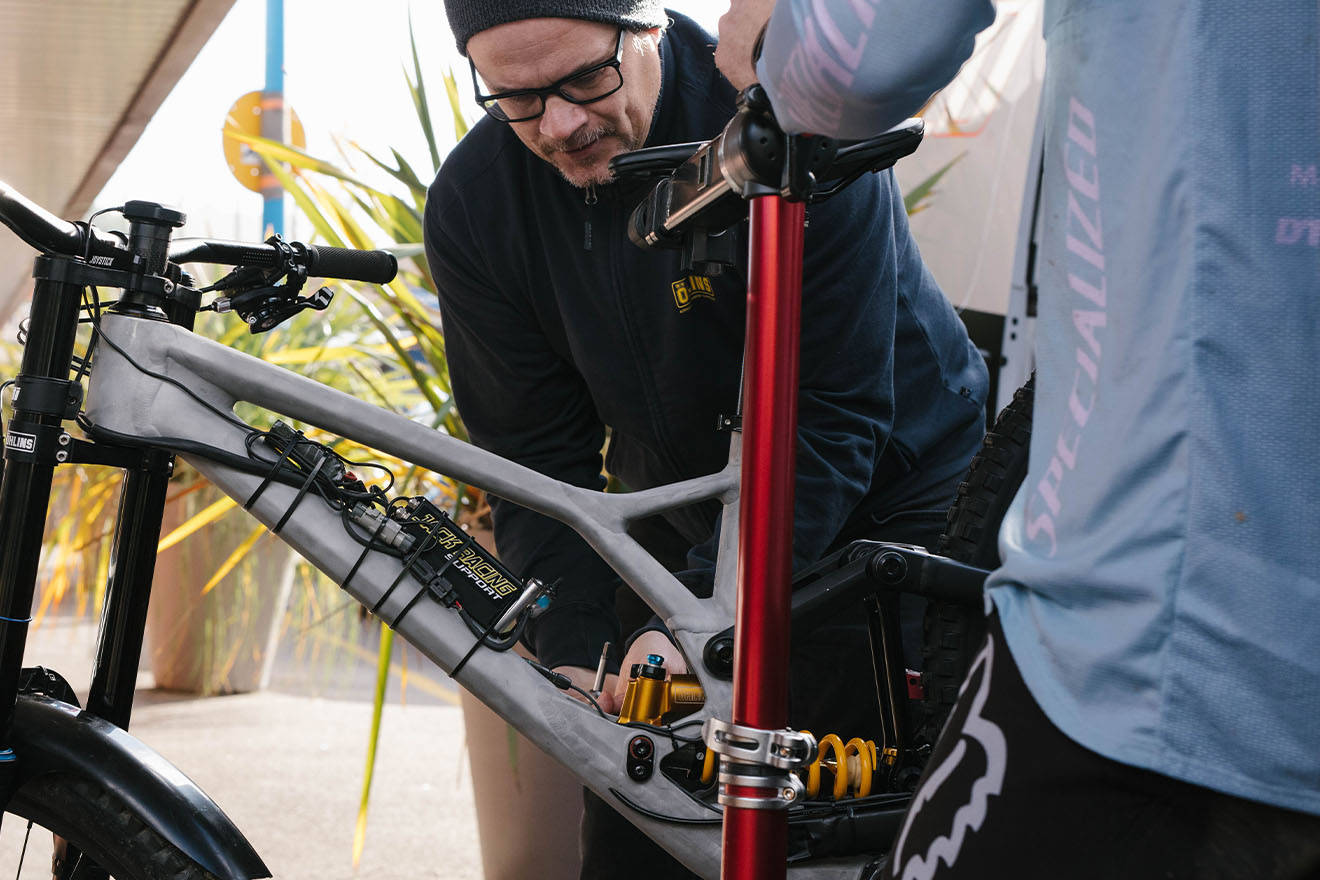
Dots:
pixel 970 816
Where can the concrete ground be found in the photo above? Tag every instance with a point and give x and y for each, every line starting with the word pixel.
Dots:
pixel 287 763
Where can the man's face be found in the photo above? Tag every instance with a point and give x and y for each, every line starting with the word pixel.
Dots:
pixel 578 139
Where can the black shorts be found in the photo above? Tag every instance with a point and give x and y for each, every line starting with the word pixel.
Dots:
pixel 1007 794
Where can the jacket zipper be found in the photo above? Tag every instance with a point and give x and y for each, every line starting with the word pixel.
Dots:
pixel 590 199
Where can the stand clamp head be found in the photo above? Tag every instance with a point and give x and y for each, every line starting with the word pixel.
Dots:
pixel 756 758
pixel 694 208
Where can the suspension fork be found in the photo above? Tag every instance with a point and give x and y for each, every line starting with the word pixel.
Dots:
pixel 26 487
pixel 132 567
pixel 25 492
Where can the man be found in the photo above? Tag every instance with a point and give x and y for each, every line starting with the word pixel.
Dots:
pixel 1145 705
pixel 556 326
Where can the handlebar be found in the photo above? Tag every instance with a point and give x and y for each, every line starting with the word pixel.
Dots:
pixel 373 267
pixel 49 234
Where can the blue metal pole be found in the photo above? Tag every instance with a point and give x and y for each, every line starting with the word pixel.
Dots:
pixel 272 114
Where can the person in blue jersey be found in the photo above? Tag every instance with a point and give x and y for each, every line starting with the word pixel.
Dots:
pixel 557 328
pixel 1146 702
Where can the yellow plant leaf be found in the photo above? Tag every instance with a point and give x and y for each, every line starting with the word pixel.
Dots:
pixel 53 592
pixel 311 355
pixel 403 679
pixel 184 492
pixel 204 518
pixel 378 708
pixel 234 558
pixel 271 149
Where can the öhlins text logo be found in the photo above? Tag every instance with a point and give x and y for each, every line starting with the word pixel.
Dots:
pixel 690 289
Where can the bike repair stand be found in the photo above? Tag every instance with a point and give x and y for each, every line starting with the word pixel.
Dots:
pixel 756 750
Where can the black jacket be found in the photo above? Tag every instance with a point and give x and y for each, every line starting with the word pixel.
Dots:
pixel 557 326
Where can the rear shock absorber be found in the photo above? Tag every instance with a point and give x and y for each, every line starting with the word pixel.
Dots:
pixel 852 765
pixel 651 698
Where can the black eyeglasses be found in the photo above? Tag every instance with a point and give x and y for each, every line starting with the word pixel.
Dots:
pixel 584 87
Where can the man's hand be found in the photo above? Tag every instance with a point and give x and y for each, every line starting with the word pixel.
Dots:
pixel 585 678
pixel 739 29
pixel 649 642
pixel 612 692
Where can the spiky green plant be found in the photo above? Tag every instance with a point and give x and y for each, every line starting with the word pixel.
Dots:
pixel 348 211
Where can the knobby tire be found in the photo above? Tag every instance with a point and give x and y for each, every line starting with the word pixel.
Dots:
pixel 98 823
pixel 952 633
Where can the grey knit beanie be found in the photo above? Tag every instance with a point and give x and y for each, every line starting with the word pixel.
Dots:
pixel 468 17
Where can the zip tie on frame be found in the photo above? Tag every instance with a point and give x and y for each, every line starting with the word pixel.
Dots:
pixel 302 493
pixel 422 547
pixel 365 550
pixel 270 475
pixel 481 639
pixel 449 561
pixel 16 620
pixel 411 603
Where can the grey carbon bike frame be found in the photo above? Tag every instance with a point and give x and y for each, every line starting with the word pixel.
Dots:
pixel 123 398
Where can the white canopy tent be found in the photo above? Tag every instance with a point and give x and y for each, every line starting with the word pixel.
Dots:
pixel 79 80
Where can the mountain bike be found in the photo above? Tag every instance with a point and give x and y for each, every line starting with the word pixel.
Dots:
pixel 147 389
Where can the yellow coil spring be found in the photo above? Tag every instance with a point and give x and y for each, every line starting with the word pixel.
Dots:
pixel 858 758
pixel 852 765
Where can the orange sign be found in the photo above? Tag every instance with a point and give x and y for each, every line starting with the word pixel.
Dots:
pixel 245 118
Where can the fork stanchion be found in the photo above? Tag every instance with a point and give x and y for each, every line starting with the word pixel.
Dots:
pixel 25 494
pixel 755 841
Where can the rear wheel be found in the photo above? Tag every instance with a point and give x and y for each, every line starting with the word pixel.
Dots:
pixel 103 835
pixel 953 633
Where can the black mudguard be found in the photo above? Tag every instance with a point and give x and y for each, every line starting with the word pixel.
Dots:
pixel 50 736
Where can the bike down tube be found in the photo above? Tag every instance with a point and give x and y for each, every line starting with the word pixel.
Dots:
pixel 756 840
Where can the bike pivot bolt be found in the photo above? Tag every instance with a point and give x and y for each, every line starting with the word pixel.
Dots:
pixel 893 567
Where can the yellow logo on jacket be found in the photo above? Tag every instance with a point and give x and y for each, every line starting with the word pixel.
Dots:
pixel 690 289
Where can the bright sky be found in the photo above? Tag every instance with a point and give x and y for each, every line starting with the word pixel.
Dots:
pixel 344 63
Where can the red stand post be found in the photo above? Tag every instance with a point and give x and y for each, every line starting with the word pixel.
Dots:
pixel 755 842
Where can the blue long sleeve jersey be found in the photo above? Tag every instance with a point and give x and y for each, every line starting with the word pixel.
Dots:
pixel 556 326
pixel 1160 587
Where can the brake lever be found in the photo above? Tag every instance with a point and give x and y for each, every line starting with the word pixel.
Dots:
pixel 245 277
pixel 266 307
pixel 261 301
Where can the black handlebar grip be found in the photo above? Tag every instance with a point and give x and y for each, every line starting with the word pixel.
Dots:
pixel 374 267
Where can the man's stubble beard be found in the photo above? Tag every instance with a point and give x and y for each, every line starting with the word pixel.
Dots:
pixel 594 176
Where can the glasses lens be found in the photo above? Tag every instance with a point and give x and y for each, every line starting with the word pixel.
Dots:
pixel 514 108
pixel 592 85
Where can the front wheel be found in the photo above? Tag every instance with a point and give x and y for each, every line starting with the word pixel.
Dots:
pixel 70 828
